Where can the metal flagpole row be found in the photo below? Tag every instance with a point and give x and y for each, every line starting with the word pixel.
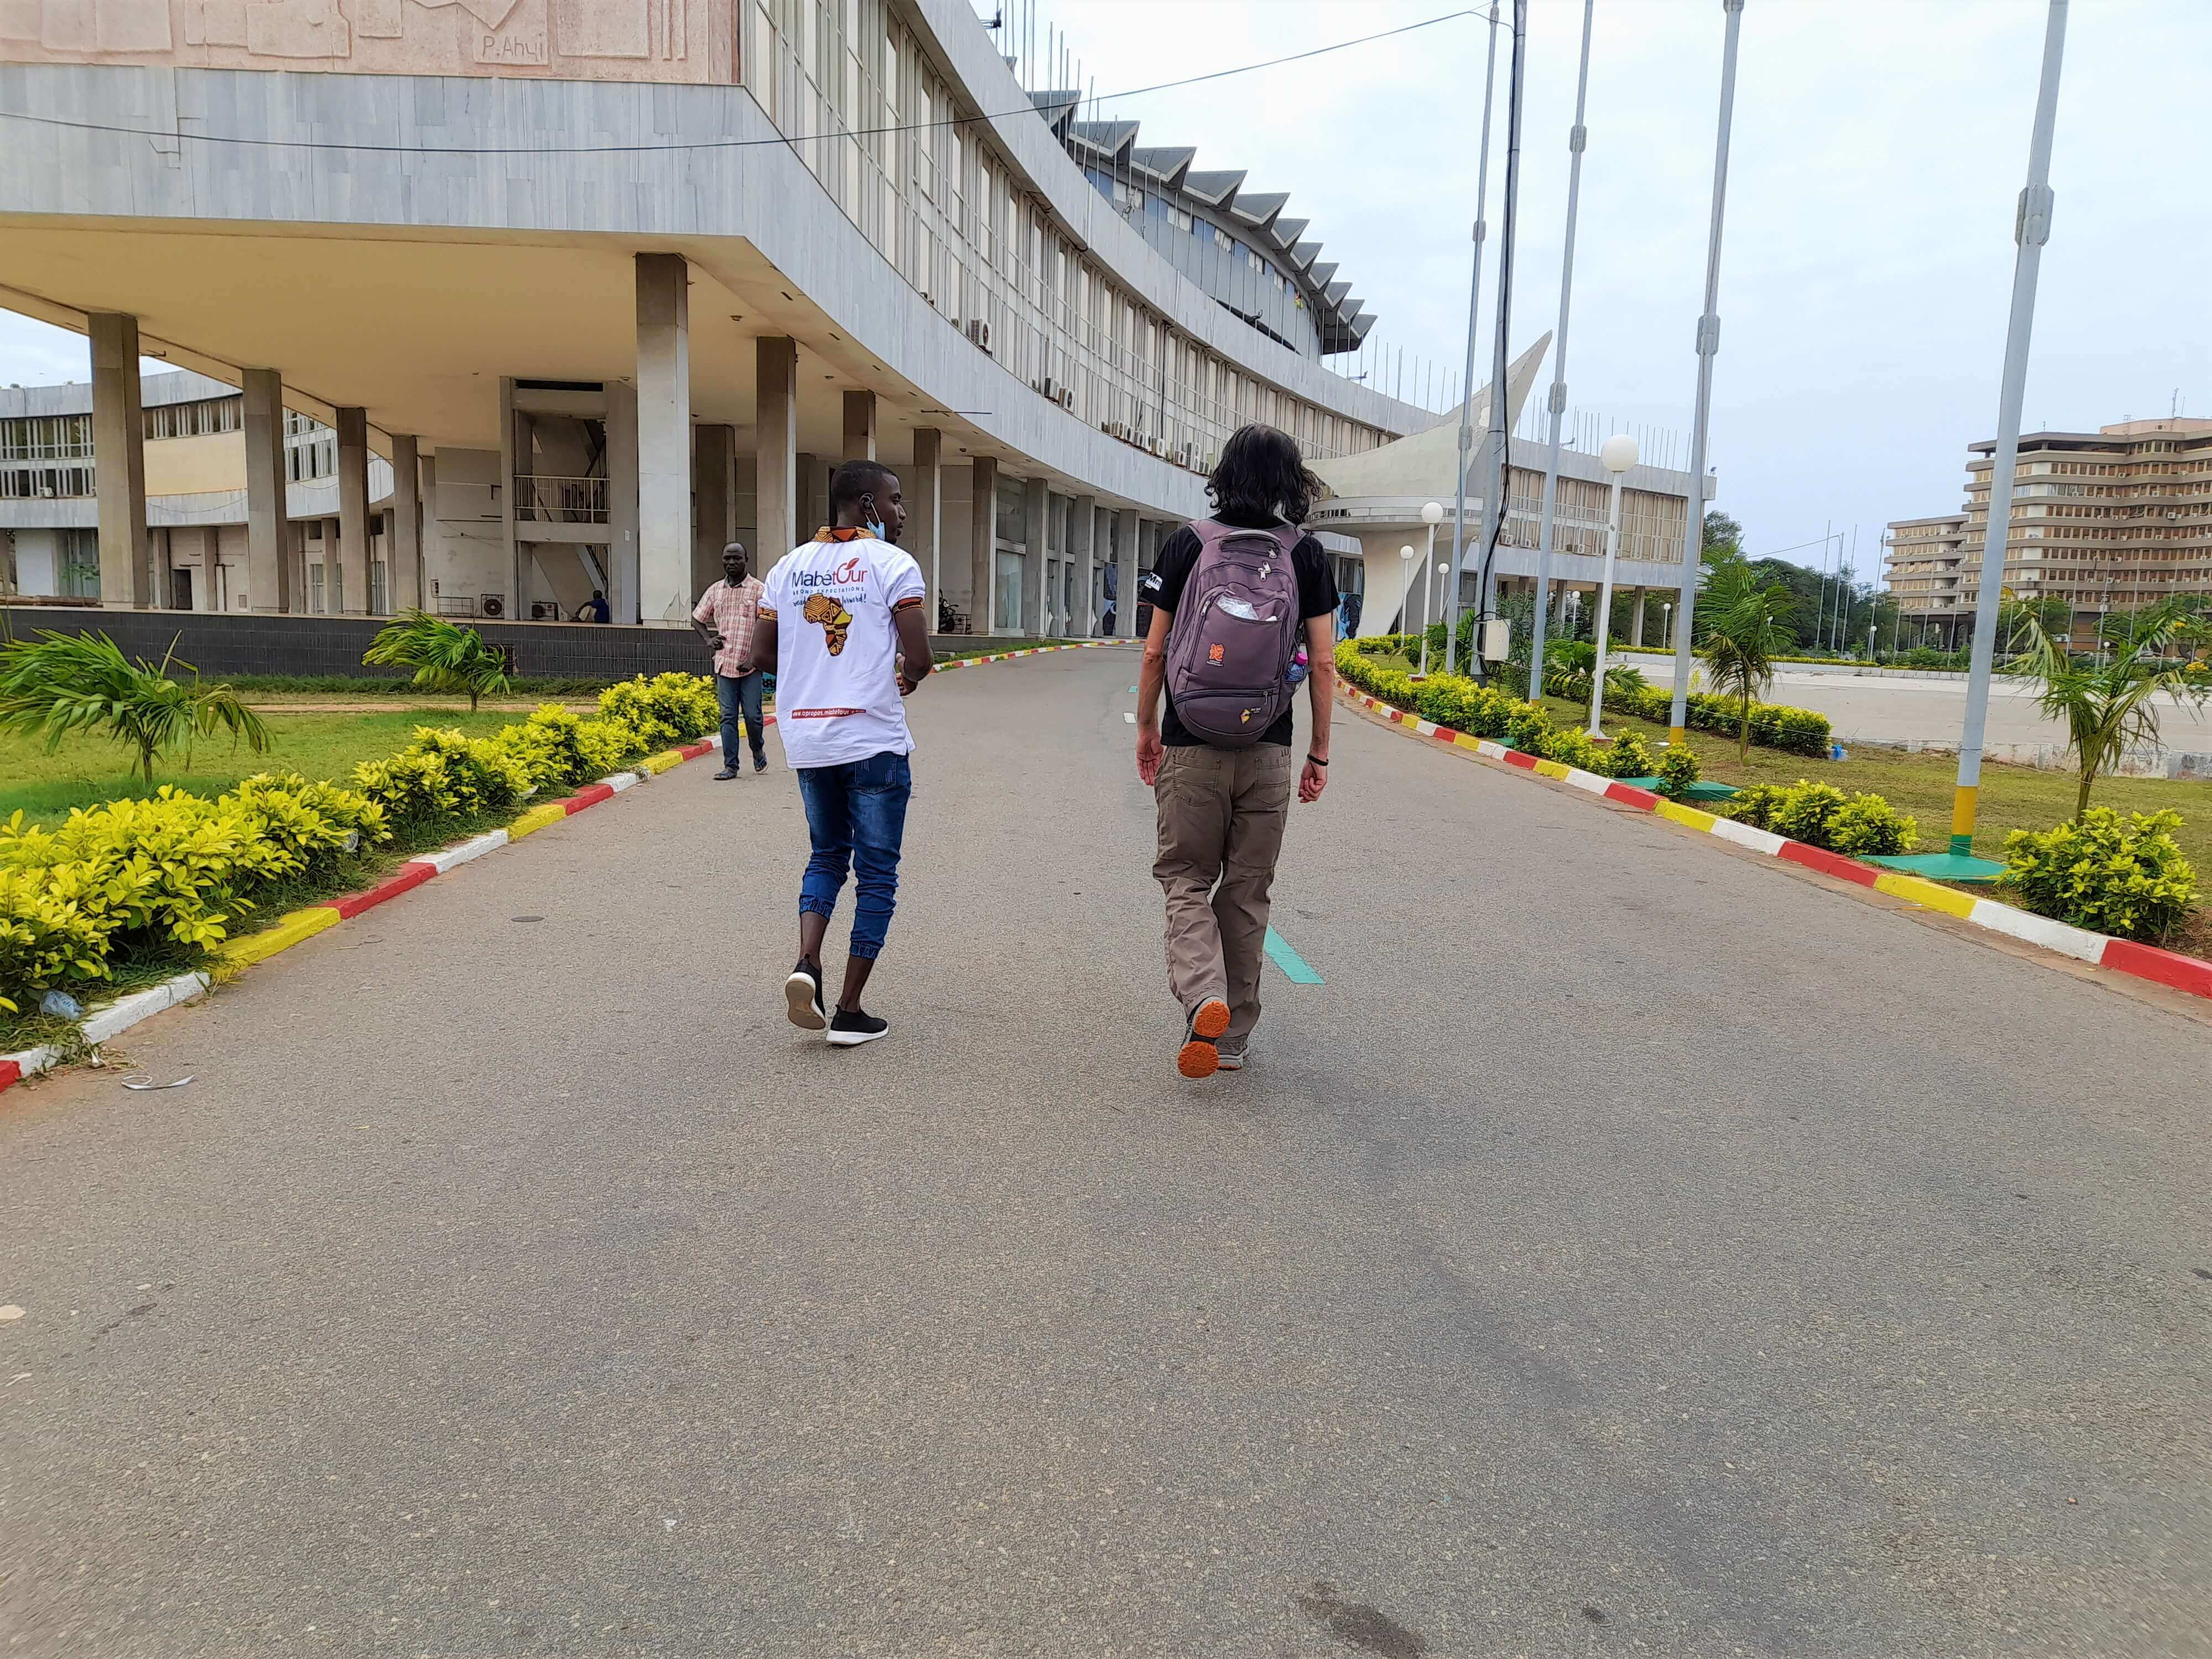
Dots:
pixel 1466 382
pixel 2031 230
pixel 1709 342
pixel 1578 140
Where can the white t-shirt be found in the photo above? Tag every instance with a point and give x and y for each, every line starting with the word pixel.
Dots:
pixel 836 694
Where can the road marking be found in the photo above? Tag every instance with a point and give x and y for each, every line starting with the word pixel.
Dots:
pixel 1129 716
pixel 1295 967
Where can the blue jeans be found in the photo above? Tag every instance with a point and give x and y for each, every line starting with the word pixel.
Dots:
pixel 856 812
pixel 736 696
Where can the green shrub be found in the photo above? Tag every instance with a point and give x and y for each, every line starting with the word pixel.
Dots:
pixel 1773 725
pixel 1572 747
pixel 665 710
pixel 1868 827
pixel 2124 876
pixel 1527 728
pixel 444 774
pixel 1629 757
pixel 1678 769
pixel 1822 815
pixel 1803 812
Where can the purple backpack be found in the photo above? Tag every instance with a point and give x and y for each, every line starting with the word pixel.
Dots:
pixel 1234 634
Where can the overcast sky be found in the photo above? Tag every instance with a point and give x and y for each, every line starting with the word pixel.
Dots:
pixel 1880 146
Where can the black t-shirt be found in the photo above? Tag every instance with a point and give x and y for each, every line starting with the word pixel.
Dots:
pixel 1178 557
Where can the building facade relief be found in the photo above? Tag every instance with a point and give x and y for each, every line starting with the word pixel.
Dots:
pixel 675 40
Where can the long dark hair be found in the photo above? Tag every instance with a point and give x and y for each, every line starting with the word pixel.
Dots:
pixel 1262 474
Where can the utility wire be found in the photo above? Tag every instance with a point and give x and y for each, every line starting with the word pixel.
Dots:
pixel 708 143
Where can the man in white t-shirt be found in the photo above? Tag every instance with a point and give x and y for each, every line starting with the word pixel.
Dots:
pixel 843 621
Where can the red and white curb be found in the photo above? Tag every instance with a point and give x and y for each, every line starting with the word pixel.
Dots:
pixel 111 1019
pixel 2121 956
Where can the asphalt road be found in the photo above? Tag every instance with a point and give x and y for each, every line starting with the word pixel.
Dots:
pixel 1564 1277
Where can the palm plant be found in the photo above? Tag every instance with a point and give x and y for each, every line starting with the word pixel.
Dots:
pixel 57 684
pixel 1741 629
pixel 444 658
pixel 2109 707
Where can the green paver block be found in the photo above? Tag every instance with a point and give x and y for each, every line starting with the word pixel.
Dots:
pixel 1710 789
pixel 1943 867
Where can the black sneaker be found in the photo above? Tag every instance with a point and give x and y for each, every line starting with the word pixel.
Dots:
pixel 726 774
pixel 802 996
pixel 851 1029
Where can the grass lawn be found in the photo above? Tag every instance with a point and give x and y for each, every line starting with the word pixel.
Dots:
pixel 85 771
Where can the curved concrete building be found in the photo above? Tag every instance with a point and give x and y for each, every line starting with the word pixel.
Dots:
pixel 608 282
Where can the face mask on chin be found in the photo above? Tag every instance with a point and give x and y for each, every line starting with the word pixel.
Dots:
pixel 876 529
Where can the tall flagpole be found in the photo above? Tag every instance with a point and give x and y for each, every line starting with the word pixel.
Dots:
pixel 1578 140
pixel 2031 230
pixel 1467 381
pixel 1709 342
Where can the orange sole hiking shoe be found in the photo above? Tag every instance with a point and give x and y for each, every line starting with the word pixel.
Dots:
pixel 1198 1057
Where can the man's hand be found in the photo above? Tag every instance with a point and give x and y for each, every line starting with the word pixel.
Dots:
pixel 714 640
pixel 1312 782
pixel 1150 751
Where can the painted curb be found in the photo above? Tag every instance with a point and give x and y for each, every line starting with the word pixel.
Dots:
pixel 2119 956
pixel 111 1019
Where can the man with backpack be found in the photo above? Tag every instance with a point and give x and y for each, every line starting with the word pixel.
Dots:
pixel 1238 594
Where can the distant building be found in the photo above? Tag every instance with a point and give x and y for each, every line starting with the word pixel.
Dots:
pixel 2106 520
pixel 195 450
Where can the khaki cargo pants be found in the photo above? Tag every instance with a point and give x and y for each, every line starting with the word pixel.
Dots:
pixel 1221 817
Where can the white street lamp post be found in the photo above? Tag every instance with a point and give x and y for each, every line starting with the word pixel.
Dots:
pixel 1433 514
pixel 1406 557
pixel 1474 309
pixel 1578 140
pixel 2031 230
pixel 1619 455
pixel 1709 342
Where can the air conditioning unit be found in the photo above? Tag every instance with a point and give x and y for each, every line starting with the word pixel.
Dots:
pixel 1067 397
pixel 1157 444
pixel 979 333
pixel 1049 387
pixel 491 605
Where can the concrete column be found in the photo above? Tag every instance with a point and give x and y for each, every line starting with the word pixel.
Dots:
pixel 1083 536
pixel 1636 628
pixel 663 438
pixel 860 426
pixel 1125 572
pixel 624 537
pixel 1036 501
pixel 512 460
pixel 268 572
pixel 984 516
pixel 775 428
pixel 924 489
pixel 813 492
pixel 403 552
pixel 118 446
pixel 353 514
pixel 713 508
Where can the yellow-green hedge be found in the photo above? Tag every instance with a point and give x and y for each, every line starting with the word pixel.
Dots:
pixel 172 874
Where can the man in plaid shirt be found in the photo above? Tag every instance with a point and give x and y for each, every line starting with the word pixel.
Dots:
pixel 724 618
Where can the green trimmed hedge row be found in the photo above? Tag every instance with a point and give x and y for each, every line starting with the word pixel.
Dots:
pixel 1773 724
pixel 1483 711
pixel 169 876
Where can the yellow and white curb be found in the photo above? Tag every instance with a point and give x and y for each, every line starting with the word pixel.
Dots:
pixel 2121 956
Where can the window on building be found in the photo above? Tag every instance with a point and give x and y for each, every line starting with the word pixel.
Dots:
pixel 78 560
